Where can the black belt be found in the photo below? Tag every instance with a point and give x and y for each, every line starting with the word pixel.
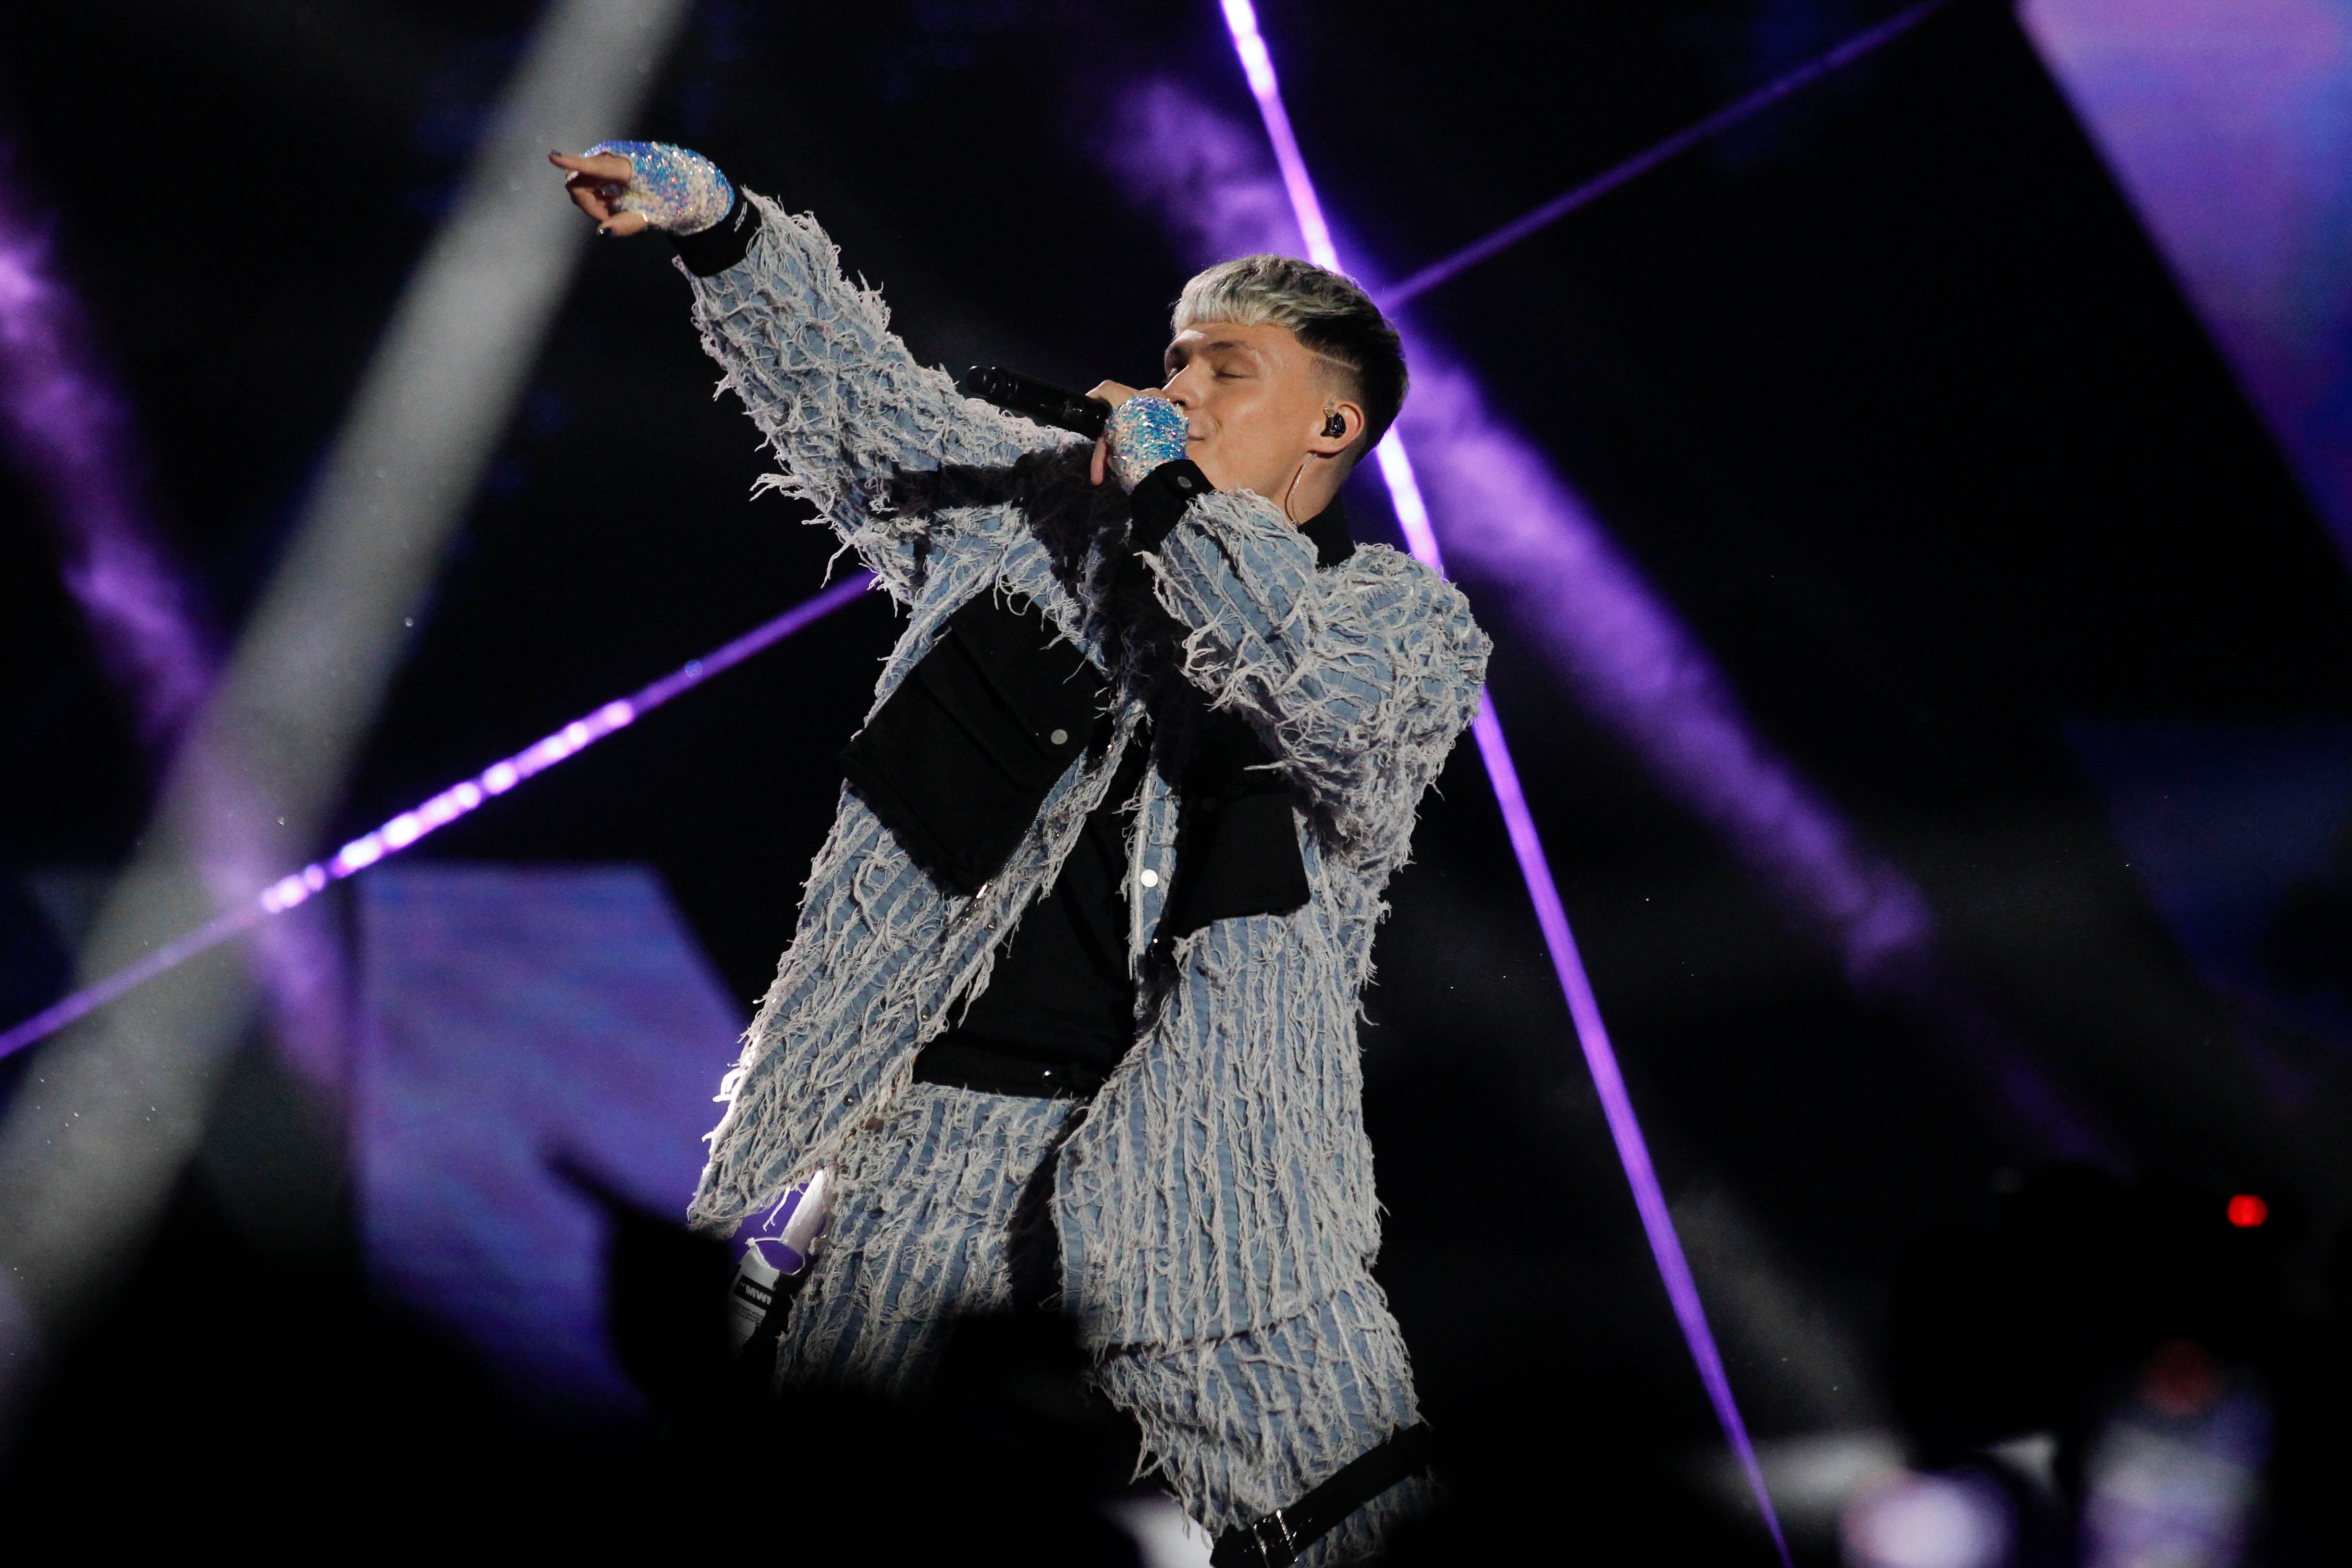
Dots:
pixel 953 1062
pixel 1277 1540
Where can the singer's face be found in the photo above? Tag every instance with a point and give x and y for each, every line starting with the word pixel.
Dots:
pixel 1256 402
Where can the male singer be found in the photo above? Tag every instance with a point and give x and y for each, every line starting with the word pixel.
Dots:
pixel 1070 1011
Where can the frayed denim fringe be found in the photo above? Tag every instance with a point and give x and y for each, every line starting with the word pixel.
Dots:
pixel 1235 1427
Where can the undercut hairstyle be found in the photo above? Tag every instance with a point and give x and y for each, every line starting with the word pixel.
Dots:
pixel 1328 314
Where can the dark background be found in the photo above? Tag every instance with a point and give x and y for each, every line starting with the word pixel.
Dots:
pixel 1886 391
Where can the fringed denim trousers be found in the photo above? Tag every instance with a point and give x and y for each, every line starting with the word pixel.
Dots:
pixel 924 1231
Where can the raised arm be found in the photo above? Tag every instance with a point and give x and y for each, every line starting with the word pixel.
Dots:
pixel 895 459
pixel 1359 677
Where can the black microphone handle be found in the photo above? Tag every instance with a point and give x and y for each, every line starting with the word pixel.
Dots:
pixel 1034 399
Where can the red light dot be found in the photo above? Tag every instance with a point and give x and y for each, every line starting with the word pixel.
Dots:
pixel 2247 1210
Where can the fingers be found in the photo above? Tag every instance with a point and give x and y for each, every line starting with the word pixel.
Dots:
pixel 597 201
pixel 1113 393
pixel 591 196
pixel 595 184
pixel 603 166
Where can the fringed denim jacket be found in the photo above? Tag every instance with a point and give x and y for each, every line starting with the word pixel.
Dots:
pixel 1223 1180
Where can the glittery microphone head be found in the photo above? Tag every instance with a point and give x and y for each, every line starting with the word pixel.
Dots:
pixel 677 191
pixel 1145 431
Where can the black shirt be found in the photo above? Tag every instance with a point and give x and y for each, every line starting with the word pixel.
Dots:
pixel 1059 996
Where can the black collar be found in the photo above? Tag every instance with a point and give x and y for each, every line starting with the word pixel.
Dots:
pixel 1327 530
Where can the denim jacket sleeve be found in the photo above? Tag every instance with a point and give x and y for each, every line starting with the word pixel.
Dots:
pixel 894 459
pixel 1358 678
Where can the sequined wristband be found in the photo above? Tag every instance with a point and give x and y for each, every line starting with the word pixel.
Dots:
pixel 679 192
pixel 1145 432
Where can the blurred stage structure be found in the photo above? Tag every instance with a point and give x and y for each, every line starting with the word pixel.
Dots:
pixel 512 1016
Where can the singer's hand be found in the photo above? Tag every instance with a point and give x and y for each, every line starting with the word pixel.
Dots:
pixel 1114 394
pixel 1145 432
pixel 597 185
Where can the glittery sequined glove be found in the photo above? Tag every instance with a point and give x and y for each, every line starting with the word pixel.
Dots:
pixel 679 191
pixel 1145 431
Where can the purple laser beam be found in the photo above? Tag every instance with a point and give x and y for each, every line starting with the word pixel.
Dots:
pixel 1640 164
pixel 409 826
pixel 1258 65
pixel 72 431
pixel 1494 750
pixel 1622 650
pixel 69 429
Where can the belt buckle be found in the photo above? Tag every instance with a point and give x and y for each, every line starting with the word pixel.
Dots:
pixel 1281 1553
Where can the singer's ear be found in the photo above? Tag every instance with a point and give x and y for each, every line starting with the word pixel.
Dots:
pixel 1343 421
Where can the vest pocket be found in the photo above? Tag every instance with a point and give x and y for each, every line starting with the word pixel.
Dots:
pixel 1236 835
pixel 961 756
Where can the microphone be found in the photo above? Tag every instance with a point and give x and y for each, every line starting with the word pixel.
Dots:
pixel 1035 399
